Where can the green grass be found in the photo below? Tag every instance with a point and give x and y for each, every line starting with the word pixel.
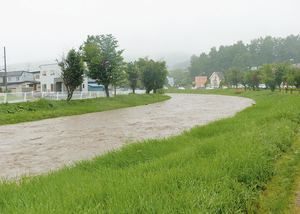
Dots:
pixel 244 164
pixel 11 113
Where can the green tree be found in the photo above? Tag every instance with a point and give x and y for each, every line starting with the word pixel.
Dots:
pixel 234 76
pixel 268 75
pixel 292 77
pixel 104 61
pixel 251 78
pixel 289 49
pixel 199 66
pixel 280 72
pixel 297 78
pixel 241 77
pixel 160 74
pixel 222 83
pixel 72 73
pixel 255 80
pixel 146 68
pixel 194 69
pixel 153 74
pixel 132 74
pixel 289 77
pixel 180 77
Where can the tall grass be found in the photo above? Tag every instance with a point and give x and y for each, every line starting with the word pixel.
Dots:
pixel 222 167
pixel 11 113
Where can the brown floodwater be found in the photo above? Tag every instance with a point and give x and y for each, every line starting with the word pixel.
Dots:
pixel 40 146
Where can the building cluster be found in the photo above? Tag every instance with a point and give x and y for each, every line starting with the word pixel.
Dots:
pixel 47 79
pixel 214 80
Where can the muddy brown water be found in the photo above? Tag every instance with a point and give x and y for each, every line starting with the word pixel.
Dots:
pixel 40 146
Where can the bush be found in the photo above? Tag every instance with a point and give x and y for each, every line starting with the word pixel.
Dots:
pixel 160 91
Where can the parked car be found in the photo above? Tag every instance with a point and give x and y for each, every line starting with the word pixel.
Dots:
pixel 262 85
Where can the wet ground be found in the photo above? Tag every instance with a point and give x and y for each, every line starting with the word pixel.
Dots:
pixel 40 146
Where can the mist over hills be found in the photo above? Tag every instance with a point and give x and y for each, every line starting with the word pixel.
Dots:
pixel 259 51
pixel 173 60
pixel 27 66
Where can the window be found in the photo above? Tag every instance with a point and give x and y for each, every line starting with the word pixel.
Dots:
pixel 203 78
pixel 44 87
pixel 17 78
pixel 9 79
pixel 82 85
pixel 37 76
pixel 44 73
pixel 23 86
pixel 52 73
pixel 52 87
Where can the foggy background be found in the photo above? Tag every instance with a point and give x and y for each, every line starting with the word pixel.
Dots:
pixel 38 32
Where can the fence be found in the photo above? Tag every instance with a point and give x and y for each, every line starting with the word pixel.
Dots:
pixel 32 96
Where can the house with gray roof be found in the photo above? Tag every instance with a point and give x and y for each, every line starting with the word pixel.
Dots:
pixel 215 79
pixel 18 81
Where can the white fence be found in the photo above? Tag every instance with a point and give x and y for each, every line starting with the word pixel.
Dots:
pixel 32 96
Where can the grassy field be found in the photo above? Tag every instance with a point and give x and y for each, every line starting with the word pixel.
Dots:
pixel 11 113
pixel 248 163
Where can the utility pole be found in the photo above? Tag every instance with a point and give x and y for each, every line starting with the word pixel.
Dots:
pixel 5 71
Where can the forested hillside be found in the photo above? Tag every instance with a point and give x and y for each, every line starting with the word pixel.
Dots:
pixel 244 56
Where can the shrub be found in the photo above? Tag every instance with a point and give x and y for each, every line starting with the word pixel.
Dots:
pixel 160 91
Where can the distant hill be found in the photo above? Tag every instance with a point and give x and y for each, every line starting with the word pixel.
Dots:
pixel 182 65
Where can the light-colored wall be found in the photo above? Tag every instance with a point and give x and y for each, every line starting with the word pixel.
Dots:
pixel 47 75
pixel 85 86
pixel 37 77
pixel 53 71
pixel 24 84
pixel 213 78
pixel 26 76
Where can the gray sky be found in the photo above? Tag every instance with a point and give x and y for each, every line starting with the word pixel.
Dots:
pixel 38 32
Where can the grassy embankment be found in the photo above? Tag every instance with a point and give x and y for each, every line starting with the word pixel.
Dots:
pixel 247 163
pixel 11 113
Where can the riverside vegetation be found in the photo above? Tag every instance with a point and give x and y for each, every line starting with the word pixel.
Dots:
pixel 11 113
pixel 248 163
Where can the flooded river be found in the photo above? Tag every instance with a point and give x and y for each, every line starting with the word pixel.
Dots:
pixel 40 146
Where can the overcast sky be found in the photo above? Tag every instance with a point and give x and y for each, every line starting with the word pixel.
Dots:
pixel 35 31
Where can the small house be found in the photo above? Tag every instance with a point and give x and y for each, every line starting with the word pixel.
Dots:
pixel 18 81
pixel 215 79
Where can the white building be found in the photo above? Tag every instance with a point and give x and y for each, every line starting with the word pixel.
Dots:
pixel 51 80
pixel 170 81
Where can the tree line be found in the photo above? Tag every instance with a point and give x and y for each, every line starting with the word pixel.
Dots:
pixel 105 65
pixel 272 75
pixel 240 55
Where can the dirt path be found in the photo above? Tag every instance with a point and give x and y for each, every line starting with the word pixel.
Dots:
pixel 40 146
